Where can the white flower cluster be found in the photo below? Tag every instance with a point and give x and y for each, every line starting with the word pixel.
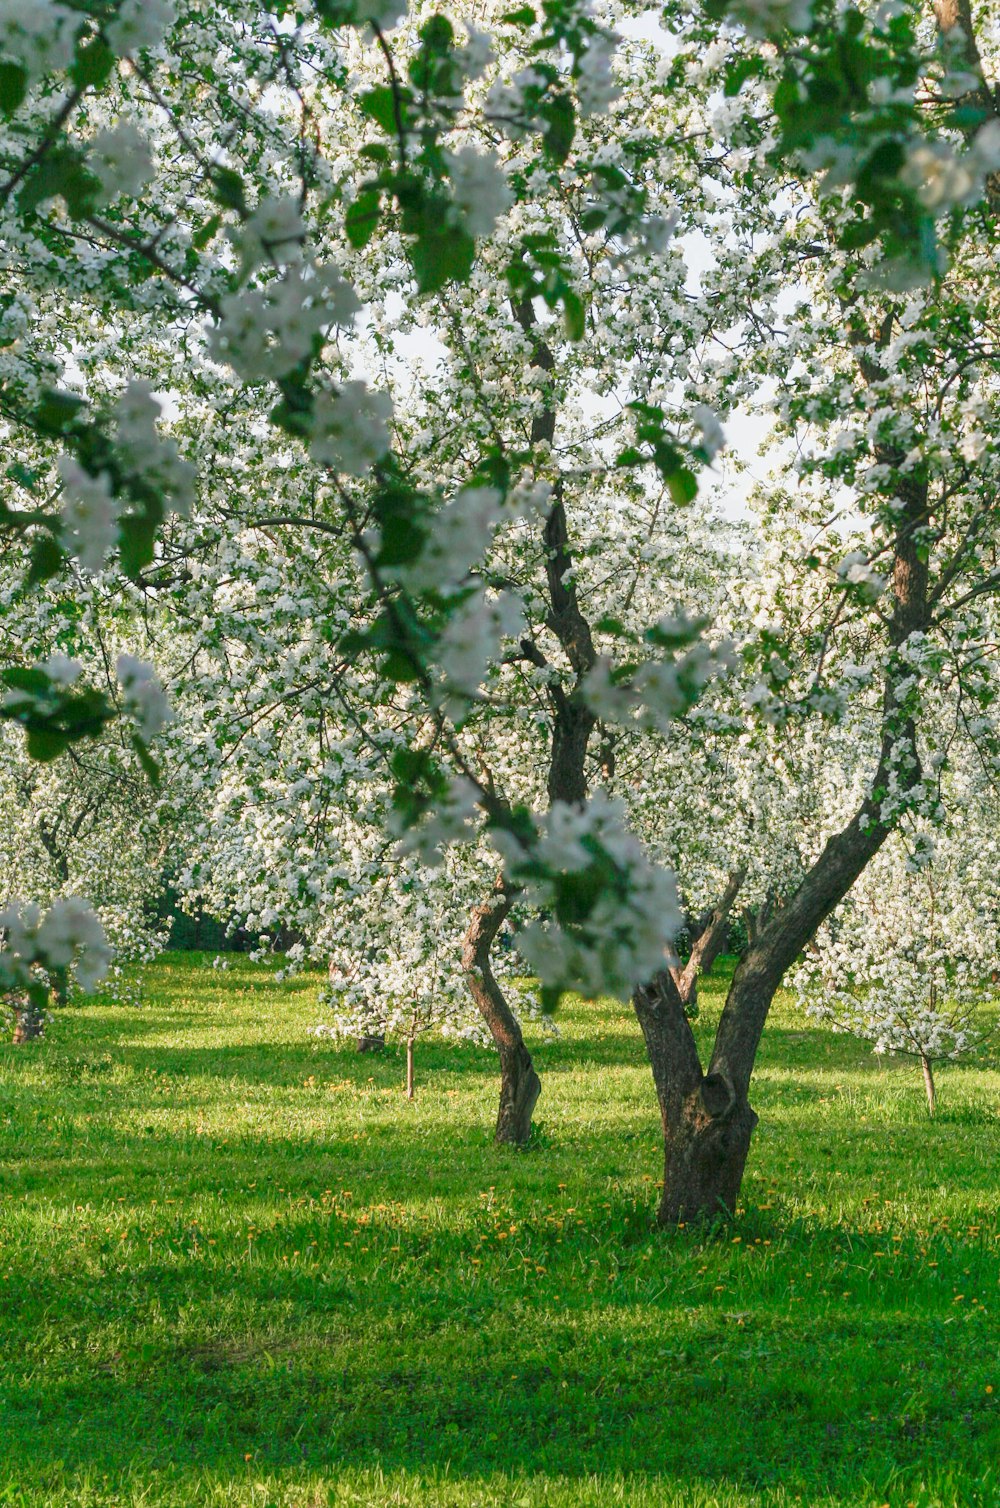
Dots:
pixel 624 937
pixel 459 537
pixel 68 933
pixel 906 962
pixel 138 24
pixel 713 436
pixel 349 429
pixel 508 104
pixel 90 513
pixel 120 158
pixel 91 509
pixel 479 189
pixel 37 34
pixel 768 18
pixel 596 89
pixel 385 14
pixel 855 571
pixel 274 231
pixel 452 821
pixel 944 177
pixel 266 332
pixel 145 699
pixel 663 688
pixel 469 644
pixel 147 454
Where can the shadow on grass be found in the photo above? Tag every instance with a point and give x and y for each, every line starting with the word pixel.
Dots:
pixel 573 1395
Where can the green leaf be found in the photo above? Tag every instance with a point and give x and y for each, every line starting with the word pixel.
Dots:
pixel 46 559
pixel 575 315
pixel 137 533
pixel 230 190
pixel 560 117
pixel 380 105
pixel 61 173
pixel 739 71
pixel 93 64
pixel 46 743
pixel 399 667
pixel 440 254
pixel 402 541
pixel 57 412
pixel 13 86
pixel 361 220
pixel 682 485
pixel 24 476
pixel 201 237
pixel 150 766
pixel 524 15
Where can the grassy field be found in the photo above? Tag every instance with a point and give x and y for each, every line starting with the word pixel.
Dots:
pixel 237 1267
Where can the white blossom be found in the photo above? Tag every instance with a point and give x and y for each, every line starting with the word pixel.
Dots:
pixel 479 188
pixel 145 698
pixel 138 24
pixel 349 431
pixel 121 159
pixel 37 34
pixel 90 513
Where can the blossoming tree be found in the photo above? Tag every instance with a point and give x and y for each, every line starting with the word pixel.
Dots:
pixel 218 243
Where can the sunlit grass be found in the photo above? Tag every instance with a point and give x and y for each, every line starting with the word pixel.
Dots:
pixel 237 1267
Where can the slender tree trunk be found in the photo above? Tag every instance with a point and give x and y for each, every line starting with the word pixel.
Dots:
pixel 925 1064
pixel 520 1085
pixel 410 1092
pixel 706 947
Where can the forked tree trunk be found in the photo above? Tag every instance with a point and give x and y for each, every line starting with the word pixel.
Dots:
pixel 707 1118
pixel 520 1085
pixel 706 1127
pixel 925 1064
pixel 706 947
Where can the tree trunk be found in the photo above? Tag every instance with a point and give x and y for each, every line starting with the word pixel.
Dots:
pixel 706 1126
pixel 707 1118
pixel 29 1022
pixel 925 1064
pixel 520 1085
pixel 706 947
pixel 705 1155
pixel 409 1069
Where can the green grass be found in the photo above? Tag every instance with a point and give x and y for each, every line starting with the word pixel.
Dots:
pixel 237 1267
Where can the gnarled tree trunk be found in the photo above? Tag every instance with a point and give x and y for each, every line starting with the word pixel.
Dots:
pixel 706 1126
pixel 520 1085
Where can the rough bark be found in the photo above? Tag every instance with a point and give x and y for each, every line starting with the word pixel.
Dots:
pixel 706 1126
pixel 707 945
pixel 520 1085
